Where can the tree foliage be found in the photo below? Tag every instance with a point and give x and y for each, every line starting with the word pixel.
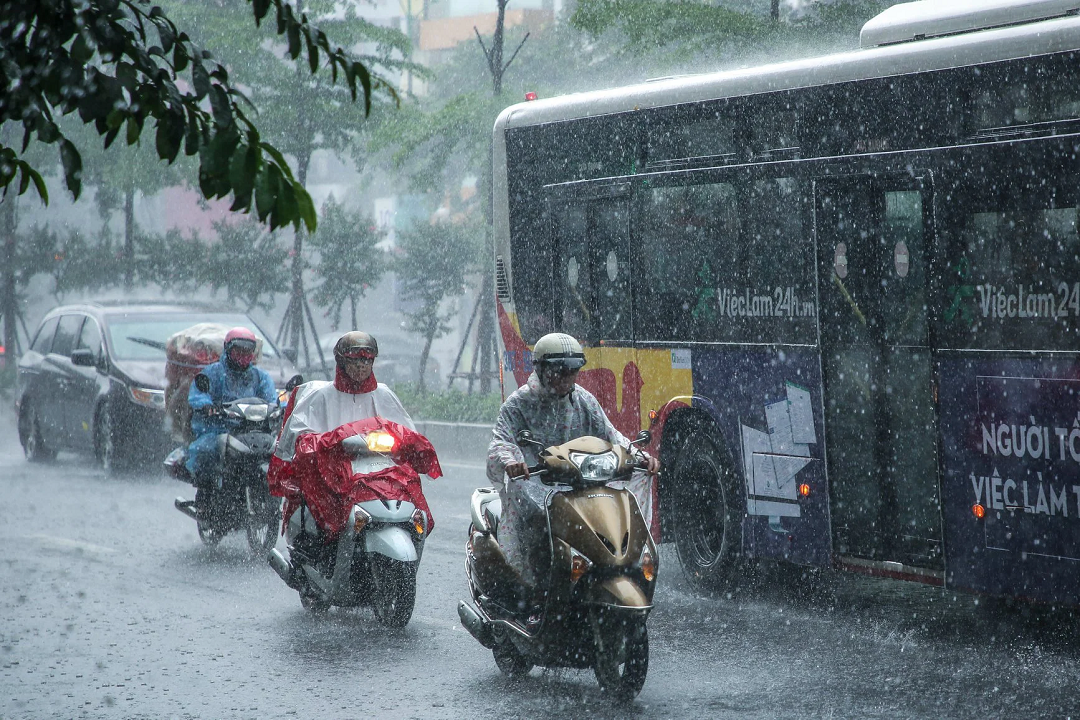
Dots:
pixel 248 262
pixel 350 263
pixel 432 266
pixel 120 63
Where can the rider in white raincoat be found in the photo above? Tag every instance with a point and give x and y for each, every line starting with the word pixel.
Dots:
pixel 321 406
pixel 555 410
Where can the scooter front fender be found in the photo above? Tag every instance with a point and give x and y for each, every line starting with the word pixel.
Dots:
pixel 621 592
pixel 393 542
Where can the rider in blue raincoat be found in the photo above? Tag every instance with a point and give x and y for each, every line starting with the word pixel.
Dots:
pixel 231 378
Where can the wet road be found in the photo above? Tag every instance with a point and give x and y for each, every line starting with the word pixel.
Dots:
pixel 111 608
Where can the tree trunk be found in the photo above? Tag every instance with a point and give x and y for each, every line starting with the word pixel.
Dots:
pixel 9 308
pixel 429 337
pixel 296 304
pixel 774 11
pixel 129 237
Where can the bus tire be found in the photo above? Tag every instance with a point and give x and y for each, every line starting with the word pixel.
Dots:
pixel 709 509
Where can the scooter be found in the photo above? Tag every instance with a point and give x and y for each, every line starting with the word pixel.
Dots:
pixel 592 610
pixel 373 556
pixel 241 499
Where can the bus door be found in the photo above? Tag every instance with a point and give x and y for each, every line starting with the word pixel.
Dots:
pixel 593 293
pixel 873 241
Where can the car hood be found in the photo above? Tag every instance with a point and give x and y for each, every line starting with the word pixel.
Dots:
pixel 151 373
pixel 143 373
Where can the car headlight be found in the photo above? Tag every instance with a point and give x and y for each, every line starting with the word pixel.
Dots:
pixel 596 467
pixel 147 397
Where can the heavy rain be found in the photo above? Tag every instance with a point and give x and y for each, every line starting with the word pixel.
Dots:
pixel 539 358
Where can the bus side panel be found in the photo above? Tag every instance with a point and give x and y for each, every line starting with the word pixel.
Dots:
pixel 767 405
pixel 1011 444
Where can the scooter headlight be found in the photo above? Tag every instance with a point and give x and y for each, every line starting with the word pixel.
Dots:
pixel 596 467
pixel 647 564
pixel 579 565
pixel 380 442
pixel 254 412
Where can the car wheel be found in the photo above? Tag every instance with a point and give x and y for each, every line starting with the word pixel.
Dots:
pixel 30 435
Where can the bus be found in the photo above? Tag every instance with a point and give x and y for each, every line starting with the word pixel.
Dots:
pixel 843 293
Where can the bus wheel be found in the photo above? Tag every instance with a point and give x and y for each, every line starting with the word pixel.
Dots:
pixel 709 509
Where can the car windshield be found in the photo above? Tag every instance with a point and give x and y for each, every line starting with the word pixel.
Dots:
pixel 142 337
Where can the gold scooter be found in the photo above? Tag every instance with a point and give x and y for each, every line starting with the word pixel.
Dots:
pixel 601 565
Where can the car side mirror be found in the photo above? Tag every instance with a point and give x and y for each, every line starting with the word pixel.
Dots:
pixel 289 353
pixel 83 358
pixel 202 382
pixel 294 381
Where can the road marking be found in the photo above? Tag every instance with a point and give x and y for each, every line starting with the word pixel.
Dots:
pixel 59 543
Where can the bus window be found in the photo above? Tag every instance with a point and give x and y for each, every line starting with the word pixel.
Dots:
pixel 1012 279
pixel 724 262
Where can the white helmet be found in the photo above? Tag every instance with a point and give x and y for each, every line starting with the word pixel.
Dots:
pixel 558 350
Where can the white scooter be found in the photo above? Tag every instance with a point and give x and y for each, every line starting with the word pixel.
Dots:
pixel 376 554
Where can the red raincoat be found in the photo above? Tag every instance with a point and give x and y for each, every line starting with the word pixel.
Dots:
pixel 321 474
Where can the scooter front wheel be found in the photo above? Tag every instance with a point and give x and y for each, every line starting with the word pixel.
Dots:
pixel 394 586
pixel 622 656
pixel 209 532
pixel 509 659
pixel 262 520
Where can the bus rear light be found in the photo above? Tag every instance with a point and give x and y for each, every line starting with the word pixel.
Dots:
pixel 978 511
pixel 804 489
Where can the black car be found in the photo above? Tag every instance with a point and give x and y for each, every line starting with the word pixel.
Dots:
pixel 93 379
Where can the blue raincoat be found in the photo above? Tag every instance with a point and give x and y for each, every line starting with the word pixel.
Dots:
pixel 225 386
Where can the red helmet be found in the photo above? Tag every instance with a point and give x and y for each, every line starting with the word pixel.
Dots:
pixel 240 344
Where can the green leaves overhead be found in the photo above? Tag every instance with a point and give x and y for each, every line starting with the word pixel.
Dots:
pixel 118 63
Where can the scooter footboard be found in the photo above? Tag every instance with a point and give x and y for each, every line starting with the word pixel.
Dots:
pixel 392 541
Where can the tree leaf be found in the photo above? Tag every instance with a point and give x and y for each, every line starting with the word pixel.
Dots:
pixel 305 208
pixel 266 191
pixel 219 103
pixel 200 79
pixel 72 162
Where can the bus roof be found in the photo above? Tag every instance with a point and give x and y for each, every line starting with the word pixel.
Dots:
pixel 1022 38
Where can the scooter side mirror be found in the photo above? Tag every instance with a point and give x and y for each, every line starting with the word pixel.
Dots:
pixel 643 438
pixel 294 381
pixel 202 382
pixel 525 437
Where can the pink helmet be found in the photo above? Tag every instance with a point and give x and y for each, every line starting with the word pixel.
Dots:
pixel 240 344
